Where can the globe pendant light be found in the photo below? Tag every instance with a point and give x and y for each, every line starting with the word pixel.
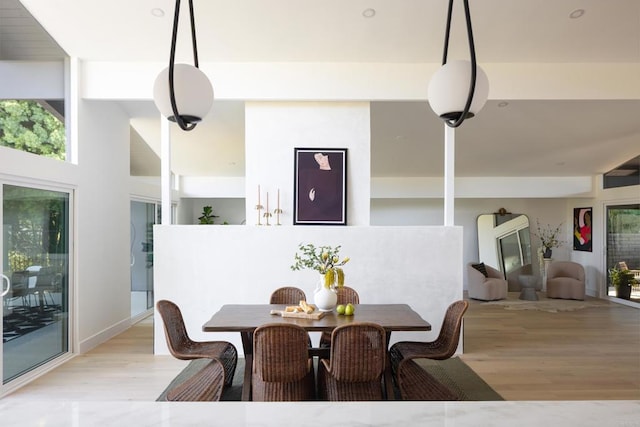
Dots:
pixel 459 89
pixel 182 92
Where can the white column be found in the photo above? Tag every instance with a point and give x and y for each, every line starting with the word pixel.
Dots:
pixel 165 169
pixel 449 173
pixel 71 108
pixel 547 261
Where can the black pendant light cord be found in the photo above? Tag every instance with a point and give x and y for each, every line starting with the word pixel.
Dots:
pixel 472 52
pixel 184 124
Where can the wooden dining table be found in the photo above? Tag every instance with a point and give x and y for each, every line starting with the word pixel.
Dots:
pixel 245 318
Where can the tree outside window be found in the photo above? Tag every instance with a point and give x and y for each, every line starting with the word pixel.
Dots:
pixel 26 125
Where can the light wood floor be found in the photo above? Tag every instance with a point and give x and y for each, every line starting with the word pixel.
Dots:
pixel 589 354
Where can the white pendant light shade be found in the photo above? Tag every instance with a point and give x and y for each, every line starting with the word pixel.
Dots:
pixel 193 92
pixel 449 89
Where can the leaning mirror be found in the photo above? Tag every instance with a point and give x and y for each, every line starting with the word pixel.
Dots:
pixel 504 242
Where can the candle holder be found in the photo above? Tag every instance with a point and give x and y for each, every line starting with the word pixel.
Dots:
pixel 277 211
pixel 267 214
pixel 259 208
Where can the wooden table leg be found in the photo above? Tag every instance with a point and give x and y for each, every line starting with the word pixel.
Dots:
pixel 247 346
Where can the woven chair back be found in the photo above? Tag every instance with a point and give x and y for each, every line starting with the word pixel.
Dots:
pixel 280 353
pixel 287 295
pixel 174 328
pixel 449 336
pixel 348 295
pixel 358 352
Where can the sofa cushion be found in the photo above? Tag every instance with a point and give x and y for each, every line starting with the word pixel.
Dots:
pixel 481 268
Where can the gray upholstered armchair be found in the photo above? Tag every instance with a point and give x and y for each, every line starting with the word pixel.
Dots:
pixel 565 279
pixel 485 282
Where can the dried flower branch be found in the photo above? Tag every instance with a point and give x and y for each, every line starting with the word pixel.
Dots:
pixel 324 259
pixel 548 235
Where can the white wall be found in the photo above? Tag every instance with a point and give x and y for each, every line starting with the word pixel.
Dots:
pixel 103 276
pixel 595 261
pixel 18 79
pixel 430 212
pixel 101 185
pixel 420 266
pixel 274 129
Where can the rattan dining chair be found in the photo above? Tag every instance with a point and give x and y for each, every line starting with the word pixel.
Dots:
pixel 442 348
pixel 357 362
pixel 415 383
pixel 346 295
pixel 287 295
pixel 206 385
pixel 282 367
pixel 184 348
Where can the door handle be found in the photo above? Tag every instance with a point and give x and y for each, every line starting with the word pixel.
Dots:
pixel 5 291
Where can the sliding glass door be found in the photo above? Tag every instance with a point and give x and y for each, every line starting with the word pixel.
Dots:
pixel 35 262
pixel 143 216
pixel 623 247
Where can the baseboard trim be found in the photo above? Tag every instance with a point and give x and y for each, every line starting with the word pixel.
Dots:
pixel 103 336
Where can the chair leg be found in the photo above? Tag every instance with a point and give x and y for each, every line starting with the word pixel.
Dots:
pixel 44 297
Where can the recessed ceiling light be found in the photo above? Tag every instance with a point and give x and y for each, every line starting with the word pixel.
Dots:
pixel 369 13
pixel 157 12
pixel 578 13
pixel 502 104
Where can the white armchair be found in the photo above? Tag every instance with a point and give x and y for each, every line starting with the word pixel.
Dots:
pixel 489 287
pixel 565 279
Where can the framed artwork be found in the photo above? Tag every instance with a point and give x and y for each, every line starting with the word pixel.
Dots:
pixel 320 186
pixel 582 229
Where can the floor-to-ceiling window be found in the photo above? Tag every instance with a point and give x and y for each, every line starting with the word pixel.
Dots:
pixel 623 245
pixel 143 216
pixel 35 259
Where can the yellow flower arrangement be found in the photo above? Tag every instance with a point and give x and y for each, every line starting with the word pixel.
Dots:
pixel 324 259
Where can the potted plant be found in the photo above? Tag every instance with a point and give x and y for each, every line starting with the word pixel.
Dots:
pixel 622 280
pixel 549 238
pixel 207 215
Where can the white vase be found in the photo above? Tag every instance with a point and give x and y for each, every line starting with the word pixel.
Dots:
pixel 325 298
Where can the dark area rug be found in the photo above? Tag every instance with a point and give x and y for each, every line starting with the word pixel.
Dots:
pixel 454 373
pixel 460 378
pixel 21 320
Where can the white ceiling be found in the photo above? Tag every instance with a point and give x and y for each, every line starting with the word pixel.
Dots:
pixel 526 137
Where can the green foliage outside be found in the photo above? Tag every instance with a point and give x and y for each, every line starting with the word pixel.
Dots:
pixel 35 223
pixel 26 126
pixel 625 221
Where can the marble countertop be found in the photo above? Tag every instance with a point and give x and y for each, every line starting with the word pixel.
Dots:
pixel 35 412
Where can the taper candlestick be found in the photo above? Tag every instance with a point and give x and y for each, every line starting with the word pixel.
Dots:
pixel 277 211
pixel 259 207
